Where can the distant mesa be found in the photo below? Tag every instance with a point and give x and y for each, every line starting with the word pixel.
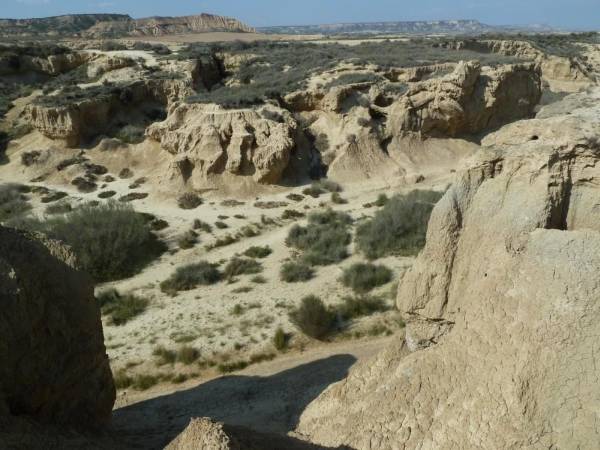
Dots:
pixel 119 25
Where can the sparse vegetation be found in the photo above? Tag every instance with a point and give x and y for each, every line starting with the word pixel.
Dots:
pixel 187 355
pixel 324 240
pixel 364 277
pixel 189 200
pixel 400 227
pixel 292 214
pixel 320 187
pixel 258 252
pixel 203 226
pixel 361 305
pixel 13 201
pixel 188 240
pixel 313 318
pixel 186 278
pixel 111 240
pixel 280 339
pixel 164 356
pixel 121 308
pixel 337 199
pixel 241 266
pixel 294 272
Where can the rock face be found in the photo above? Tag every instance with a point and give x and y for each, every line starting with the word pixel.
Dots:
pixel 51 65
pixel 555 69
pixel 208 140
pixel 159 26
pixel 467 101
pixel 501 304
pixel 54 365
pixel 86 118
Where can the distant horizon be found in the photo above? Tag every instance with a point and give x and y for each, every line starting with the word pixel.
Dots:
pixel 573 15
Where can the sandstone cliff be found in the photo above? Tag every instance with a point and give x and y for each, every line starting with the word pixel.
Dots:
pixel 54 365
pixel 556 70
pixel 502 308
pixel 208 140
pixel 97 110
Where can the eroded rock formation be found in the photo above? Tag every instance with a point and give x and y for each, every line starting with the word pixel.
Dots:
pixel 54 365
pixel 501 306
pixel 209 140
pixel 207 434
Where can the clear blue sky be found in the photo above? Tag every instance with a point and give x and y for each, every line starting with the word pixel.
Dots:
pixel 579 14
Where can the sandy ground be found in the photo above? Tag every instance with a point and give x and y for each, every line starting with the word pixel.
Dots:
pixel 269 397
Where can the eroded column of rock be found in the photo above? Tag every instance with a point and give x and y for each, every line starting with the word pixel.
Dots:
pixel 504 304
pixel 54 368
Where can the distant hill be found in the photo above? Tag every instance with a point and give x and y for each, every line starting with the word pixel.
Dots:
pixel 119 25
pixel 414 27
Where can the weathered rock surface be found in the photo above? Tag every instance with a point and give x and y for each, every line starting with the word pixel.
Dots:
pixel 467 101
pixel 160 26
pixel 54 365
pixel 50 65
pixel 91 116
pixel 505 297
pixel 554 68
pixel 206 434
pixel 208 140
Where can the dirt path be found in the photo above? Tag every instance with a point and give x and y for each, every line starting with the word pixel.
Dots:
pixel 268 397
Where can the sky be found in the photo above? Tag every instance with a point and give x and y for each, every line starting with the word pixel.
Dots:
pixel 568 14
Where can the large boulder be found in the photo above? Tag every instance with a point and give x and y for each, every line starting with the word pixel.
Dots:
pixel 54 366
pixel 208 140
pixel 502 307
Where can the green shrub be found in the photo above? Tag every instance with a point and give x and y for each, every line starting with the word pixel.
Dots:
pixel 131 134
pixel 58 208
pixel 382 200
pixel 313 318
pixel 242 266
pixel 111 240
pixel 362 305
pixel 122 380
pixel 121 308
pixel 189 200
pixel 186 278
pixel 280 339
pixel 144 382
pixel 221 225
pixel 400 227
pixel 292 214
pixel 187 355
pixel 364 277
pixel 294 272
pixel 321 187
pixel 258 252
pixel 188 240
pixel 232 366
pixel 164 356
pixel 324 240
pixel 203 226
pixel 13 202
pixel 258 279
pixel 337 199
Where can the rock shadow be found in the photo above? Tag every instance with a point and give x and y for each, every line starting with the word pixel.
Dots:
pixel 271 404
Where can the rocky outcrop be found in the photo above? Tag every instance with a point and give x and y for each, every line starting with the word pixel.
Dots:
pixel 467 101
pixel 12 64
pixel 554 68
pixel 160 26
pixel 99 108
pixel 504 297
pixel 210 435
pixel 54 365
pixel 208 140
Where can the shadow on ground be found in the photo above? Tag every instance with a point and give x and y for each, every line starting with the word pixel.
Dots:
pixel 271 404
